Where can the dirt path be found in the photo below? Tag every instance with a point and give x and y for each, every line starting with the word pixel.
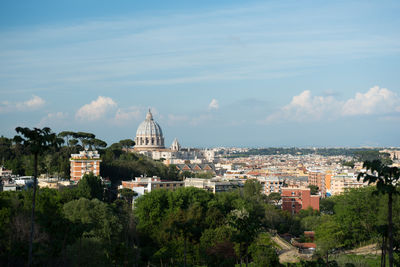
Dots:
pixel 366 250
pixel 288 253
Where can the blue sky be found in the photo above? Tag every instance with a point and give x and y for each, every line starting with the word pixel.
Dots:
pixel 231 73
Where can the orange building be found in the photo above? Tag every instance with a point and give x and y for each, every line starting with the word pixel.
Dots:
pixel 296 199
pixel 328 178
pixel 84 163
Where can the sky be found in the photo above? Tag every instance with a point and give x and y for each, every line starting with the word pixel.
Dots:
pixel 213 73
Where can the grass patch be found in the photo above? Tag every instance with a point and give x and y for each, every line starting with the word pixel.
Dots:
pixel 358 260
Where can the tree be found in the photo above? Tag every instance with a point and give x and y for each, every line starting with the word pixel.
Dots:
pixel 90 187
pixel 313 189
pixel 172 173
pixel 94 222
pixel 217 247
pixel 127 194
pixel 326 206
pixel 67 135
pixel 127 143
pixel 263 252
pixel 73 142
pixel 328 236
pixel 181 223
pixel 274 198
pixel 386 179
pixel 97 143
pixel 252 189
pixel 37 141
pixel 85 138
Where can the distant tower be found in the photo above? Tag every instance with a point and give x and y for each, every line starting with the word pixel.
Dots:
pixel 175 145
pixel 149 135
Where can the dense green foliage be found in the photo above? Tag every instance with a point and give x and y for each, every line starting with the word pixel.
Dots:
pixel 207 229
pixel 354 219
pixel 70 230
pixel 118 164
pixel 76 227
pixel 210 229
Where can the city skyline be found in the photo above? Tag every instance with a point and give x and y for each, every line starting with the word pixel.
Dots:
pixel 239 74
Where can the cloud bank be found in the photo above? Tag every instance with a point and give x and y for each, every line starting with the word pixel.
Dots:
pixel 96 109
pixel 34 103
pixel 306 107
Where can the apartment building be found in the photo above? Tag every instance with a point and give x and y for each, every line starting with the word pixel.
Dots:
pixel 271 184
pixel 342 182
pixel 317 178
pixel 84 163
pixel 296 199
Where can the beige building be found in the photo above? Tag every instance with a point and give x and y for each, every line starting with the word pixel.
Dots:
pixel 84 163
pixel 271 184
pixel 53 183
pixel 394 154
pixel 342 182
pixel 214 185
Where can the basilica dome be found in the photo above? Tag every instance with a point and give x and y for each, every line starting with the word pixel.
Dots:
pixel 149 134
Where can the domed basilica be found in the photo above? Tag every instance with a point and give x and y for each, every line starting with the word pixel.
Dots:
pixel 149 135
pixel 150 142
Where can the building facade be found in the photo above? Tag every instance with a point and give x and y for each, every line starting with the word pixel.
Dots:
pixel 342 182
pixel 317 178
pixel 213 185
pixel 84 163
pixel 271 184
pixel 296 199
pixel 142 185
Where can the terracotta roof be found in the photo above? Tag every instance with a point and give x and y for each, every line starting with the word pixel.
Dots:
pixel 304 245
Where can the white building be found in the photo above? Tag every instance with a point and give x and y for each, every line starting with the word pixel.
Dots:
pixel 142 185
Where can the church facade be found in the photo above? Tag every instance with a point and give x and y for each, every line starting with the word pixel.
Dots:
pixel 150 142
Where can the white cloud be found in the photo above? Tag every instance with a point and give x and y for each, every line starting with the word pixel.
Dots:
pixel 127 114
pixel 305 107
pixel 96 109
pixel 213 104
pixel 31 104
pixel 375 101
pixel 52 118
